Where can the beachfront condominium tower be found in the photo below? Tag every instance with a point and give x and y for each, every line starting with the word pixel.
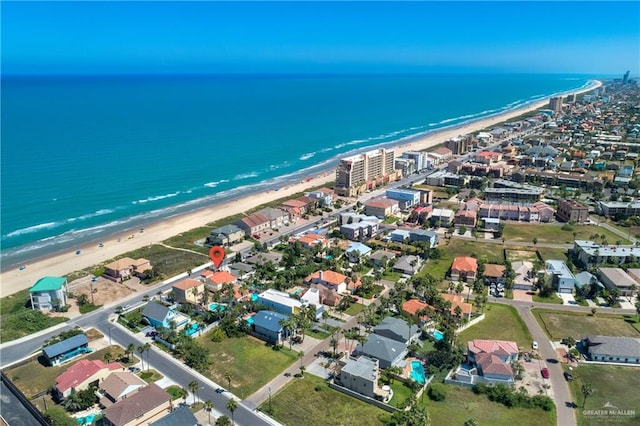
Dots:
pixel 357 173
pixel 555 104
pixel 625 78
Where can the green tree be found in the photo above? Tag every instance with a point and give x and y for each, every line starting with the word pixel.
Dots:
pixel 228 377
pixel 223 421
pixel 208 407
pixel 193 387
pixel 587 390
pixel 58 417
pixel 232 406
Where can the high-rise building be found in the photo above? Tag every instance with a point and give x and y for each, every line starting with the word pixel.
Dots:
pixel 555 103
pixel 571 98
pixel 460 144
pixel 625 78
pixel 356 172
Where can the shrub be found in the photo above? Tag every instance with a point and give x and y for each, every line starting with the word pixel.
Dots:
pixel 437 392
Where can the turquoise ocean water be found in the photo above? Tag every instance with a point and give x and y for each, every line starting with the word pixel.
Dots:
pixel 84 157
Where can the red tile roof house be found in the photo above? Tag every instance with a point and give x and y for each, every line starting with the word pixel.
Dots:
pixel 82 375
pixel 254 224
pixel 329 279
pixel 412 307
pixel 464 268
pixel 219 278
pixel 145 406
pixel 493 359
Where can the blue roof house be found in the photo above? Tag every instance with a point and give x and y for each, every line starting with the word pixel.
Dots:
pixel 63 351
pixel 266 324
pixel 561 277
pixel 162 316
pixel 357 251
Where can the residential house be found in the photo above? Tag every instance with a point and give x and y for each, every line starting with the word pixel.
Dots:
pixel 217 279
pixel 357 252
pixel 361 375
pixel 414 308
pixel 300 206
pixel 330 279
pixel 494 274
pixel 466 218
pixel 181 416
pixel 145 406
pixel 406 198
pixel 327 297
pixel 48 293
pixel 123 269
pixel 262 258
pixel 162 316
pixel 424 235
pixel 311 241
pixel 277 217
pixel 279 301
pixel 325 196
pixel 442 218
pixel 493 359
pixel 82 375
pixel 617 279
pixel 188 291
pixel 119 385
pixel 572 210
pixel 586 278
pixel 562 278
pixel 458 301
pixel 254 224
pixel 408 264
pixel 241 270
pixel 359 231
pixel 225 235
pixel 591 253
pixel 397 329
pixel 523 270
pixel 399 235
pixel 380 257
pixel 67 349
pixel 266 324
pixel 381 207
pixel 464 268
pixel 612 349
pixel 387 351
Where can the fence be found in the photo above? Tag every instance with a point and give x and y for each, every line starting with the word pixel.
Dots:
pixel 470 323
pixel 23 400
pixel 363 398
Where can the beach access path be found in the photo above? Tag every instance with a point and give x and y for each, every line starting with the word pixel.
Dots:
pixel 14 279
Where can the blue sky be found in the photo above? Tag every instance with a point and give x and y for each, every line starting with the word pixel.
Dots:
pixel 204 37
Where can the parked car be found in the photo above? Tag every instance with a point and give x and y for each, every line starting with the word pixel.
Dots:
pixel 151 334
pixel 219 390
pixel 545 373
pixel 134 369
pixel 534 345
pixel 567 376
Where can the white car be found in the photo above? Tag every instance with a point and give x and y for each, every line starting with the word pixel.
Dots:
pixel 534 345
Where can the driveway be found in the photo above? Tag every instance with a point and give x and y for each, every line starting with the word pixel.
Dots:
pixel 522 295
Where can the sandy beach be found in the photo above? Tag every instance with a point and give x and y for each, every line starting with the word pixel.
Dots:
pixel 91 254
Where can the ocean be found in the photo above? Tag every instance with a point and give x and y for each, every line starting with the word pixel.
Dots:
pixel 85 157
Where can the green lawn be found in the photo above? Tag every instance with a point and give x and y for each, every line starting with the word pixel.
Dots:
pixel 487 252
pixel 391 276
pixel 462 404
pixel 250 362
pixel 400 393
pixel 551 299
pixel 548 253
pixel 355 309
pixel 501 322
pixel 174 391
pixel 150 376
pixel 553 233
pixel 527 254
pixel 611 385
pixel 18 319
pixel 559 325
pixel 309 401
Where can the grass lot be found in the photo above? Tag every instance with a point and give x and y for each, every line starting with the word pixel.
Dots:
pixel 551 299
pixel 438 268
pixel 174 391
pixel 501 322
pixel 34 377
pixel 150 376
pixel 548 253
pixel 317 334
pixel 400 393
pixel 18 319
pixel 355 309
pixel 523 255
pixel 559 325
pixel 391 276
pixel 462 404
pixel 610 385
pixel 555 234
pixel 250 362
pixel 309 401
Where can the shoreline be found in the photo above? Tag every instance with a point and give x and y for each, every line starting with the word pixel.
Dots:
pixel 65 261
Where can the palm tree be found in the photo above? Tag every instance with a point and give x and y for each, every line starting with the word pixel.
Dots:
pixel 147 347
pixel 184 394
pixel 300 356
pixel 193 387
pixel 335 340
pixel 107 357
pixel 131 348
pixel 587 390
pixel 140 350
pixel 228 377
pixel 232 405
pixel 208 406
pixel 223 421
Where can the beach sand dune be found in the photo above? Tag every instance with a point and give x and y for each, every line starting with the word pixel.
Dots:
pixel 91 254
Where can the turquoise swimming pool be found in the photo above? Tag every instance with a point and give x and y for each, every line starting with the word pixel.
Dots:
pixel 193 327
pixel 250 320
pixel 417 372
pixel 216 307
pixel 438 335
pixel 254 297
pixel 87 420
pixel 296 291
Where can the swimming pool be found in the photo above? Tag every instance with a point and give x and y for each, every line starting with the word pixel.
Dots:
pixel 417 372
pixel 254 297
pixel 438 335
pixel 192 329
pixel 216 307
pixel 296 291
pixel 250 320
pixel 87 420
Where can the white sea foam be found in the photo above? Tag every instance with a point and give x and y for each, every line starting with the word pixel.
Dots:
pixel 34 228
pixel 215 183
pixel 246 175
pixel 308 155
pixel 157 197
